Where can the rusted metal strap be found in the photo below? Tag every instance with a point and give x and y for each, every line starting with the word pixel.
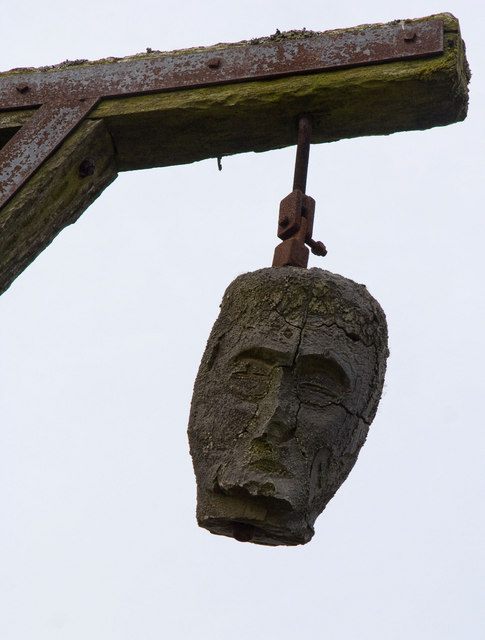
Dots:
pixel 271 59
pixel 65 95
pixel 36 140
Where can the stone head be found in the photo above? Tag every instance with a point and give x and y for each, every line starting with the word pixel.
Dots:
pixel 287 388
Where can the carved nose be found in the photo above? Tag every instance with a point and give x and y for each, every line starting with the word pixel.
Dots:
pixel 279 428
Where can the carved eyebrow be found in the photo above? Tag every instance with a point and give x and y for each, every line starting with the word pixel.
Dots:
pixel 319 362
pixel 268 356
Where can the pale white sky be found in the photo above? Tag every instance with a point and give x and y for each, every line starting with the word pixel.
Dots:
pixel 101 337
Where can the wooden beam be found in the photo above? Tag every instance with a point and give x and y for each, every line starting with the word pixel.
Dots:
pixel 176 127
pixel 183 127
pixel 194 124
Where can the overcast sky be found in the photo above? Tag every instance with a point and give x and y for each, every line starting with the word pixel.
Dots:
pixel 101 338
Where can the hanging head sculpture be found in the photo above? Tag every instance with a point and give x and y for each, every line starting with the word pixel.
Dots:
pixel 287 388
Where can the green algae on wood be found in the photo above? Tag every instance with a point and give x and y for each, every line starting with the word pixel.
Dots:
pixel 183 126
pixel 189 125
pixel 287 388
pixel 54 198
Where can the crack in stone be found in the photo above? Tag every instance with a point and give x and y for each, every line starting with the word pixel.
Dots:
pixel 274 421
pixel 249 423
pixel 300 337
pixel 349 412
pixel 350 334
pixel 300 446
pixel 290 324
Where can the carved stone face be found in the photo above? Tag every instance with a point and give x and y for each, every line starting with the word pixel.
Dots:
pixel 285 393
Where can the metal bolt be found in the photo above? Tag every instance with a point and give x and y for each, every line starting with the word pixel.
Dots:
pixel 317 247
pixel 284 222
pixel 410 35
pixel 214 63
pixel 86 168
pixel 22 88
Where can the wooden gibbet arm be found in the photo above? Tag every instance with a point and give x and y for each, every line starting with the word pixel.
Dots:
pixel 55 197
pixel 183 126
pixel 193 124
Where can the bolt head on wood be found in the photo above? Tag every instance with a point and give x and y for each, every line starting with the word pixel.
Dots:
pixel 289 217
pixel 287 388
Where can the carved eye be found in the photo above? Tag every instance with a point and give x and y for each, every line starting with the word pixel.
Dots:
pixel 321 381
pixel 250 378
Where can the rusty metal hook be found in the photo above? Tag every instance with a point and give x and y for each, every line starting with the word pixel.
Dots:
pixel 295 222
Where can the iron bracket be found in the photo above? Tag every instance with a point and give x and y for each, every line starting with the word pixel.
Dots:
pixel 297 210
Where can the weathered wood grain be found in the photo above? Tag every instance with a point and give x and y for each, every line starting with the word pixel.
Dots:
pixel 286 391
pixel 55 197
pixel 188 125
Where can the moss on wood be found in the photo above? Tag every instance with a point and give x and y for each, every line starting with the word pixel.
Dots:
pixel 188 125
pixel 179 127
pixel 55 197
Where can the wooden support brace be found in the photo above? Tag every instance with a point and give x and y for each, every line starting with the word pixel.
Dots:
pixel 164 109
pixel 55 197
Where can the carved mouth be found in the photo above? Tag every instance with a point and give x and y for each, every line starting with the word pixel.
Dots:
pixel 266 521
pixel 250 490
pixel 255 497
pixel 254 508
pixel 270 467
pixel 243 532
